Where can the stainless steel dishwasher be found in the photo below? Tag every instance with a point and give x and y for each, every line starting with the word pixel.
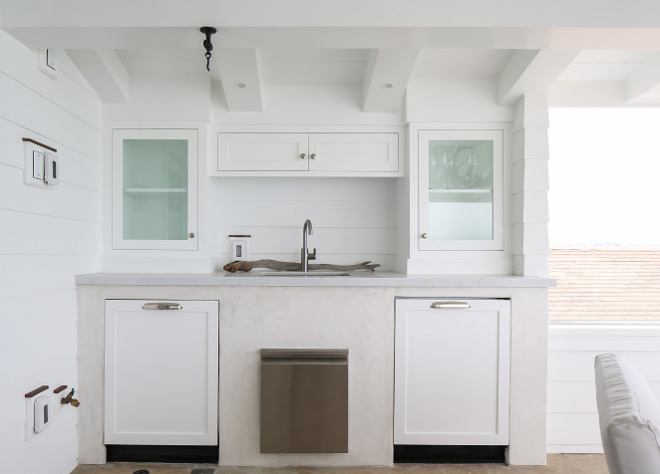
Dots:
pixel 304 400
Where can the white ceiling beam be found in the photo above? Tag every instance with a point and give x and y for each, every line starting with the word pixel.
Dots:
pixel 531 71
pixel 240 74
pixel 645 83
pixel 104 72
pixel 386 78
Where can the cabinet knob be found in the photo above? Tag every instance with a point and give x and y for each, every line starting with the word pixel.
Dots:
pixel 191 235
pixel 312 156
pixel 303 156
pixel 425 235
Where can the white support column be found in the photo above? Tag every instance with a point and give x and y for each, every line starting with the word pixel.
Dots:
pixel 529 186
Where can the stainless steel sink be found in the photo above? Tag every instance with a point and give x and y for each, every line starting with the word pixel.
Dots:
pixel 317 273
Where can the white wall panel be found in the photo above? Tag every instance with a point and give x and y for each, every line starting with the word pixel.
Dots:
pixel 572 412
pixel 18 105
pixel 48 237
pixel 65 92
pixel 26 275
pixel 354 220
pixel 75 168
pixel 66 200
pixel 285 189
pixel 331 239
pixel 322 213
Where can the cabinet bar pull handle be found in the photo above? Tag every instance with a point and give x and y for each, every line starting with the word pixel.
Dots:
pixel 450 305
pixel 162 306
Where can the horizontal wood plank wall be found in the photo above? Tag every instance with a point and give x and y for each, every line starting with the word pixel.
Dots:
pixel 354 219
pixel 572 413
pixel 47 237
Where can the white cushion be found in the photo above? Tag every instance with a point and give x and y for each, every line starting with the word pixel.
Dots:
pixel 629 416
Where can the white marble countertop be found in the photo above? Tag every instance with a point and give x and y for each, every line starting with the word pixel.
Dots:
pixel 357 278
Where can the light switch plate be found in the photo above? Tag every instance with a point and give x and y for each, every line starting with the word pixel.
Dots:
pixel 38 165
pixel 34 165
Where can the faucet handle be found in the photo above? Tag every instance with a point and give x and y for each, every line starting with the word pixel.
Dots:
pixel 311 255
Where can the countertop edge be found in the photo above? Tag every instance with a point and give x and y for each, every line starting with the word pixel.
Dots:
pixel 357 279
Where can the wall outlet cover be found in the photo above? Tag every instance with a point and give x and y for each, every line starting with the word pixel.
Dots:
pixel 38 414
pixel 48 62
pixel 240 247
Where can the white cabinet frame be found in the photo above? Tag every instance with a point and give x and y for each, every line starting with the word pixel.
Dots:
pixel 118 241
pixel 451 371
pixel 161 373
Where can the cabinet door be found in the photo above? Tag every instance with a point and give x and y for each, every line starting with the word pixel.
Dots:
pixel 354 152
pixel 451 372
pixel 460 190
pixel 161 373
pixel 154 190
pixel 262 151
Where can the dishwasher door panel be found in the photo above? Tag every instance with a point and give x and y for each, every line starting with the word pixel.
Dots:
pixel 161 372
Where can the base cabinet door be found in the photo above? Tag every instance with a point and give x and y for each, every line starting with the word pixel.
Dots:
pixel 161 372
pixel 451 372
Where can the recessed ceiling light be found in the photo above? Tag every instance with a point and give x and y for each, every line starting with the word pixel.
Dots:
pixel 387 85
pixel 240 85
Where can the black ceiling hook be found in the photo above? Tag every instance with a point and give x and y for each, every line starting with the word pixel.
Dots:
pixel 208 31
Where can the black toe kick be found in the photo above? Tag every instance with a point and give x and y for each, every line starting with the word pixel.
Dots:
pixel 413 453
pixel 168 454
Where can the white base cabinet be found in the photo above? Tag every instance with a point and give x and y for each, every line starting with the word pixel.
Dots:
pixel 451 372
pixel 161 372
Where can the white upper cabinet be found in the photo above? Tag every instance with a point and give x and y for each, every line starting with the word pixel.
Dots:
pixel 460 190
pixel 154 190
pixel 313 154
pixel 353 152
pixel 262 151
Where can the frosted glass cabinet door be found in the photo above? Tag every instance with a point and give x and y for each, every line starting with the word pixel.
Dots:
pixel 460 190
pixel 155 189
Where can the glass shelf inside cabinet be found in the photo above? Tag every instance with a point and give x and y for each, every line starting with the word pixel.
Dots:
pixel 155 189
pixel 460 194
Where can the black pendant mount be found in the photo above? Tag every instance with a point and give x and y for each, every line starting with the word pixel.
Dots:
pixel 208 46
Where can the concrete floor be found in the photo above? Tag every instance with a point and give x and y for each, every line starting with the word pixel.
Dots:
pixel 557 463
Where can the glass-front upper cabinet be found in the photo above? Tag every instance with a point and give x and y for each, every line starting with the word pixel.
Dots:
pixel 460 190
pixel 154 189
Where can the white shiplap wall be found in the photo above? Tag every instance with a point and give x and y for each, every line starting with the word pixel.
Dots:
pixel 354 219
pixel 46 238
pixel 572 414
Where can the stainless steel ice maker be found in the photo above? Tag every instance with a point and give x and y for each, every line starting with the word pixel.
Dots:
pixel 304 400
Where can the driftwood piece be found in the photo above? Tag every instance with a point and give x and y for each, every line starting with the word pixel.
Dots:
pixel 244 266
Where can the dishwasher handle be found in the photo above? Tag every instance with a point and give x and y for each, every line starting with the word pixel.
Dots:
pixel 162 306
pixel 450 305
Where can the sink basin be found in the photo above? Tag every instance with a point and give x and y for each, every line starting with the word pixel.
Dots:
pixel 317 273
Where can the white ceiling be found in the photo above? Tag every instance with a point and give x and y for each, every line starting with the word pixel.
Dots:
pixel 352 42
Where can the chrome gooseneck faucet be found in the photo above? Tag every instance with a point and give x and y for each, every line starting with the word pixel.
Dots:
pixel 305 255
